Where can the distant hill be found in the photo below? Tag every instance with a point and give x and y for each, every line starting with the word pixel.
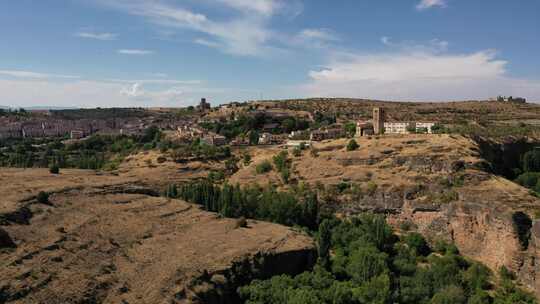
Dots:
pixel 35 108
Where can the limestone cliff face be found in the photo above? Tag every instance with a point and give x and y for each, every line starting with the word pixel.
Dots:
pixel 456 195
pixel 482 231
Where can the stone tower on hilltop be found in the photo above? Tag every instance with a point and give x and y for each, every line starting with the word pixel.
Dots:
pixel 203 105
pixel 378 120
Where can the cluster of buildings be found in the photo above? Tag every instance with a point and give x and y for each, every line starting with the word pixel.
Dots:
pixel 48 127
pixel 378 125
pixel 509 99
pixel 271 132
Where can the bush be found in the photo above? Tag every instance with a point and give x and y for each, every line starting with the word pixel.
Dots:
pixel 371 188
pixel 449 295
pixel 352 145
pixel 281 160
pixel 416 242
pixel 297 152
pixel 54 169
pixel 263 167
pixel 247 159
pixel 43 197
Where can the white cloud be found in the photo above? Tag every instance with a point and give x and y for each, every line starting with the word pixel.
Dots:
pixel 208 43
pixel 160 75
pixel 107 93
pixel 433 46
pixel 427 4
pixel 33 75
pixel 154 81
pixel 318 34
pixel 245 33
pixel 134 52
pixel 421 75
pixel 97 36
pixel 263 7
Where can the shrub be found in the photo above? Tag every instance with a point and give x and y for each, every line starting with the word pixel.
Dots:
pixel 263 167
pixel 161 159
pixel 449 295
pixel 407 225
pixel 216 176
pixel 285 175
pixel 247 159
pixel 444 247
pixel 43 197
pixel 297 152
pixel 54 169
pixel 371 188
pixel 352 145
pixel 416 242
pixel 281 160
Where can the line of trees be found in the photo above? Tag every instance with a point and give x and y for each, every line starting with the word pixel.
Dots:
pixel 254 202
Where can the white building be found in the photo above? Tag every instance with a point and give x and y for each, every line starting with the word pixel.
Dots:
pixel 396 127
pixel 422 126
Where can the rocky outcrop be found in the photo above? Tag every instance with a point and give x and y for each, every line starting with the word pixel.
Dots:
pixel 5 240
pixel 487 226
pixel 220 287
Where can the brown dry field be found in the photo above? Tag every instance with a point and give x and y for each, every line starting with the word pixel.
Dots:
pixel 96 243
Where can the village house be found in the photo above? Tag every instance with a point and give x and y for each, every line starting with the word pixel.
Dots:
pixel 332 133
pixel 76 134
pixel 265 139
pixel 396 127
pixel 187 131
pixel 271 139
pixel 240 141
pixel 298 143
pixel 214 140
pixel 364 128
pixel 299 135
pixel 424 127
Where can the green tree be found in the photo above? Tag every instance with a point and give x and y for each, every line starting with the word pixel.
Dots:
pixel 416 242
pixel 43 197
pixel 352 145
pixel 350 129
pixel 531 161
pixel 325 240
pixel 54 169
pixel 449 295
pixel 366 263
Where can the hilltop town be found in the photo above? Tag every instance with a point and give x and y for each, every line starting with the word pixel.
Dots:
pixel 180 200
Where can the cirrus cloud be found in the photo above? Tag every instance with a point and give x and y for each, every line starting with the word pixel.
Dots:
pixel 134 52
pixel 97 36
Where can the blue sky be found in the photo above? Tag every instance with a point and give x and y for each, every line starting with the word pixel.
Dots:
pixel 171 53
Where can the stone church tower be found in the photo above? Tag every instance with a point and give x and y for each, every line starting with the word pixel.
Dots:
pixel 378 120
